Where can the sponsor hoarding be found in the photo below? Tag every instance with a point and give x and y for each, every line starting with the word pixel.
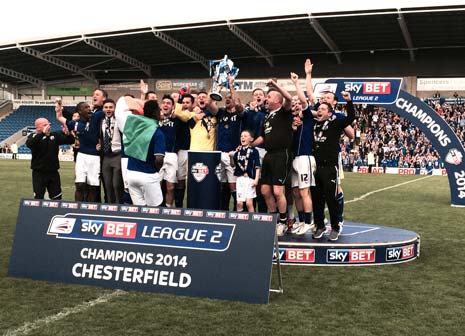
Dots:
pixel 198 253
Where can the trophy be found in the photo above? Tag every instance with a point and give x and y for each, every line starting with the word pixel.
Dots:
pixel 219 71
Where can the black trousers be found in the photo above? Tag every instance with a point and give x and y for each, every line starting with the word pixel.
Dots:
pixel 326 180
pixel 112 178
pixel 46 181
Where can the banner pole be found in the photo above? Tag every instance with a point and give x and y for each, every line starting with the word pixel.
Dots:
pixel 280 288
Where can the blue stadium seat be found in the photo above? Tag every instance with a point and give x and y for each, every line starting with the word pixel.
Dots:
pixel 25 116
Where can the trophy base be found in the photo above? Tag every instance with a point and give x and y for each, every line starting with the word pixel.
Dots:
pixel 216 96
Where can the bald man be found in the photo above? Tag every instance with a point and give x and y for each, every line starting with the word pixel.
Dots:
pixel 277 139
pixel 45 146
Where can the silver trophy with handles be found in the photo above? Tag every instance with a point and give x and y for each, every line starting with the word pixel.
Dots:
pixel 219 72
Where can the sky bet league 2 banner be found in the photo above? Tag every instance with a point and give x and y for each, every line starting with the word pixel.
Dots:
pixel 215 254
pixel 365 90
pixel 388 92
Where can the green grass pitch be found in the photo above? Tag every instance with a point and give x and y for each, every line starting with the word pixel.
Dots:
pixel 423 297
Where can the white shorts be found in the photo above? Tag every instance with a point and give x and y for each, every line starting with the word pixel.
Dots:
pixel 303 170
pixel 144 188
pixel 170 166
pixel 244 189
pixel 181 174
pixel 227 171
pixel 261 153
pixel 124 171
pixel 87 169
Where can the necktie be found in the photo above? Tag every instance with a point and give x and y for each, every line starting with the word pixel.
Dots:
pixel 107 137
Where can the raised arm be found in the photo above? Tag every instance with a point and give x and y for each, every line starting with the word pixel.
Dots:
pixel 237 102
pixel 178 111
pixel 287 96
pixel 350 132
pixel 144 88
pixel 258 141
pixel 59 113
pixel 308 81
pixel 300 93
pixel 350 109
pixel 181 114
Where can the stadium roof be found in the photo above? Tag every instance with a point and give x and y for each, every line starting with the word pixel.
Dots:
pixel 340 43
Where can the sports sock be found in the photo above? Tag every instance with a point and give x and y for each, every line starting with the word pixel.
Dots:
pixel 308 218
pixel 179 197
pixel 340 206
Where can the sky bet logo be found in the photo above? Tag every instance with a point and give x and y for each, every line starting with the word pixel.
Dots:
pixel 300 255
pixel 240 215
pixel 109 229
pixel 350 256
pixel 378 88
pixel 194 213
pixel 400 253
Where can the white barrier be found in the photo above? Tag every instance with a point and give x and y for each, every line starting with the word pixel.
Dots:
pixel 8 156
pixel 400 171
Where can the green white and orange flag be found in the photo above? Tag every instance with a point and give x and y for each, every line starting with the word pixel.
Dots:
pixel 137 129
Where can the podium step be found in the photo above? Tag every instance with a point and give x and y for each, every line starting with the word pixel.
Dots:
pixel 358 245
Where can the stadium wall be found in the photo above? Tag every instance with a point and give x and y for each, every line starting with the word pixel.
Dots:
pixel 419 87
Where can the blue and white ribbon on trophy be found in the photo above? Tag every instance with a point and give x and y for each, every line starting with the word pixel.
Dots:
pixel 219 71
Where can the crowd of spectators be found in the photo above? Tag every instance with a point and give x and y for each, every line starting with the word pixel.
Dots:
pixel 384 139
pixel 5 148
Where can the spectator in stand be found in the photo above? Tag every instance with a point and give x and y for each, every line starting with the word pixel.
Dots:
pixel 398 143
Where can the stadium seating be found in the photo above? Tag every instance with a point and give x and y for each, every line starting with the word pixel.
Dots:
pixel 394 141
pixel 24 117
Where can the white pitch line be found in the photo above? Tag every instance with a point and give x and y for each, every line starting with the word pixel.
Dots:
pixel 28 327
pixel 383 189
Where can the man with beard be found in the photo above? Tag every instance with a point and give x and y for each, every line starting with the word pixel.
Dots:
pixel 110 148
pixel 331 99
pixel 327 132
pixel 203 124
pixel 168 125
pixel 228 139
